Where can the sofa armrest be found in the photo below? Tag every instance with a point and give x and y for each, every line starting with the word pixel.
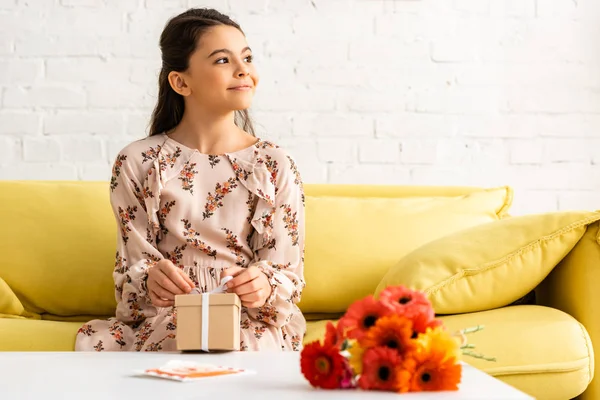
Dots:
pixel 572 287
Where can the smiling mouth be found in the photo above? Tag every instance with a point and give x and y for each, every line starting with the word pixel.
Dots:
pixel 242 87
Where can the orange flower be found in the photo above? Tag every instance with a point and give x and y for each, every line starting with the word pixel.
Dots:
pixel 362 315
pixel 382 370
pixel 322 366
pixel 393 331
pixel 407 302
pixel 434 362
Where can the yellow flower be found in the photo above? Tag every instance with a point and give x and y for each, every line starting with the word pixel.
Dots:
pixel 356 355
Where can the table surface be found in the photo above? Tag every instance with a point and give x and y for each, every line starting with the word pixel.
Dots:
pixel 89 376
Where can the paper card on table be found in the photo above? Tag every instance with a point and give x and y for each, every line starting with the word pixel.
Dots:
pixel 189 371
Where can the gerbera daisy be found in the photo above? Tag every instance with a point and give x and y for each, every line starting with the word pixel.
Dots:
pixel 356 355
pixel 382 370
pixel 435 363
pixel 423 321
pixel 322 366
pixel 362 315
pixel 393 331
pixel 407 302
pixel 333 336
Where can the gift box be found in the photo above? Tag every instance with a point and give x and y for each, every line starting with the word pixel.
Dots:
pixel 208 321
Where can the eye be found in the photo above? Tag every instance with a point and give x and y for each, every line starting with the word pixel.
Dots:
pixel 222 59
pixel 249 58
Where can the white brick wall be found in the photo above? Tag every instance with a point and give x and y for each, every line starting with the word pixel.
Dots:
pixel 443 92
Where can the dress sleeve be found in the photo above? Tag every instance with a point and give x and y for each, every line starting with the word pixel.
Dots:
pixel 282 257
pixel 136 245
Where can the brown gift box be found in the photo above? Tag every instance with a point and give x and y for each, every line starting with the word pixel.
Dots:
pixel 223 326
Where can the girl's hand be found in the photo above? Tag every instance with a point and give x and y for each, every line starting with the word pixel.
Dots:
pixel 165 281
pixel 250 284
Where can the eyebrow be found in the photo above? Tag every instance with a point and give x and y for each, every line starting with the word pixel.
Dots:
pixel 227 51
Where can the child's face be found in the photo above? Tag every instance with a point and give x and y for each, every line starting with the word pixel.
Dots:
pixel 221 76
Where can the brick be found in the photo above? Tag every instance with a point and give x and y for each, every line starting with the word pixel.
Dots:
pixel 415 125
pixel 95 172
pixel 294 100
pixel 137 125
pixel 373 51
pixel 82 70
pixel 6 46
pixel 148 22
pixel 8 4
pixel 379 151
pixel 304 153
pixel 142 72
pixel 363 101
pixel 337 151
pixel 81 149
pixel 38 171
pixel 297 50
pixel 369 174
pixel 418 151
pixel 45 96
pixel 83 122
pixel 120 95
pixel 10 150
pixel 41 150
pixel 579 200
pixel 79 3
pixel 404 26
pixel 339 125
pixel 162 4
pixel 513 8
pixel 460 101
pixel 114 147
pixel 19 71
pixel 567 150
pixel 350 27
pixel 553 100
pixel 274 125
pixel 19 123
pixel 534 201
pixel 526 151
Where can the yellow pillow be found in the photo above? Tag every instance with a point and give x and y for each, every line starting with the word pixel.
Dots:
pixel 351 242
pixel 58 247
pixel 490 265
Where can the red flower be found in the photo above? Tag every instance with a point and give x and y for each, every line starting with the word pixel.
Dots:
pixel 382 370
pixel 322 366
pixel 362 315
pixel 333 336
pixel 423 321
pixel 404 301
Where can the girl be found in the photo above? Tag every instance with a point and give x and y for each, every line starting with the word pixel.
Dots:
pixel 202 198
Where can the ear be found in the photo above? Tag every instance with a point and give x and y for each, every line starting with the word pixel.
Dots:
pixel 178 83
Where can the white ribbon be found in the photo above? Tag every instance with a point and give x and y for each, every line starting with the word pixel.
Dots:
pixel 205 299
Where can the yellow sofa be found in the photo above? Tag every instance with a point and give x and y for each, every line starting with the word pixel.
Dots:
pixel 57 241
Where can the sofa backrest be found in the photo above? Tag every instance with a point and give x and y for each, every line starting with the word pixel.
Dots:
pixel 57 240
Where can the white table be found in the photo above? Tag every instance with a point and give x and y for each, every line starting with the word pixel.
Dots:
pixel 105 376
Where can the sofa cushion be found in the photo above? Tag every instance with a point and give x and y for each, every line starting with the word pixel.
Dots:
pixel 490 265
pixel 58 254
pixel 351 242
pixel 539 350
pixel 37 335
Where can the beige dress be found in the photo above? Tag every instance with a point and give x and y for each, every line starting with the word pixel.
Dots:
pixel 205 213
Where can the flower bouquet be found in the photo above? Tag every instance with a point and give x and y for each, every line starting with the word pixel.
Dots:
pixel 393 343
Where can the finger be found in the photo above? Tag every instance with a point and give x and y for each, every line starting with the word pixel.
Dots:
pixel 163 293
pixel 187 278
pixel 252 297
pixel 175 277
pixel 247 288
pixel 240 279
pixel 156 301
pixel 167 284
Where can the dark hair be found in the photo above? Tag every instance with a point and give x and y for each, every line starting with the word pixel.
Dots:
pixel 178 41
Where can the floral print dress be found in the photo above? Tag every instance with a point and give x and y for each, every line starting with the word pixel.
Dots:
pixel 205 213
